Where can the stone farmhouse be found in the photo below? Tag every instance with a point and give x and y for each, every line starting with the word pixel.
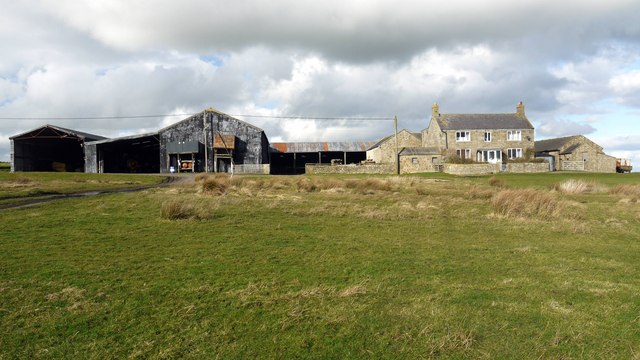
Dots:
pixel 575 153
pixel 486 138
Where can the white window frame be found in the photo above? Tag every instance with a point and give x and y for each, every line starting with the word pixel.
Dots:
pixel 514 135
pixel 514 153
pixel 464 153
pixel 487 136
pixel 463 136
pixel 414 160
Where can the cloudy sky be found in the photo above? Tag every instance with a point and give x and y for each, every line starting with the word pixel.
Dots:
pixel 574 63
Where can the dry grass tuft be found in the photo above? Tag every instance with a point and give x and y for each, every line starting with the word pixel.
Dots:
pixel 476 192
pixel 523 203
pixel 181 209
pixel 575 187
pixel 632 190
pixel 216 185
pixel 495 182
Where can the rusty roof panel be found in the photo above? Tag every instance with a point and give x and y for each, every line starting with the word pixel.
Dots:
pixel 300 147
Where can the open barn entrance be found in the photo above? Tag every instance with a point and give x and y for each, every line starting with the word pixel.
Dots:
pixel 291 158
pixel 136 154
pixel 50 148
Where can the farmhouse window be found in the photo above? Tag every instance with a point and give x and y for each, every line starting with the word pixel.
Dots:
pixel 514 153
pixel 463 136
pixel 414 160
pixel 514 135
pixel 464 153
pixel 487 136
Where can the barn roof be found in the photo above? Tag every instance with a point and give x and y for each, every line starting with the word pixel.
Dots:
pixel 58 132
pixel 554 144
pixel 300 147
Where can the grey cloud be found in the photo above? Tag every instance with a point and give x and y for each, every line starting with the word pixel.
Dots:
pixel 557 128
pixel 352 31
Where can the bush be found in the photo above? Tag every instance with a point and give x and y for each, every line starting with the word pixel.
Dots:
pixel 181 209
pixel 526 203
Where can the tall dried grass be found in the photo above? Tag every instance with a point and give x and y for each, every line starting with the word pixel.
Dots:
pixel 632 190
pixel 575 187
pixel 526 203
pixel 182 209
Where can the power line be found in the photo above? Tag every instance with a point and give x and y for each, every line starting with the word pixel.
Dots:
pixel 173 115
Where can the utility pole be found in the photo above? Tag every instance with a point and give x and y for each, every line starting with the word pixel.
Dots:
pixel 395 122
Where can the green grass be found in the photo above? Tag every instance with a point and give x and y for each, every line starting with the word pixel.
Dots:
pixel 5 166
pixel 323 267
pixel 23 184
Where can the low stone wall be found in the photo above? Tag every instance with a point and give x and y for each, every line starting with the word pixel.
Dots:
pixel 572 165
pixel 530 167
pixel 471 169
pixel 350 169
pixel 255 169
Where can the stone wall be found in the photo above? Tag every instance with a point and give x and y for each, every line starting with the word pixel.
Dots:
pixel 570 165
pixel 411 164
pixel 471 169
pixel 350 169
pixel 256 169
pixel 528 167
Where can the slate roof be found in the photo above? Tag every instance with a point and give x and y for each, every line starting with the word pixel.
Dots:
pixel 419 151
pixel 554 144
pixel 482 121
pixel 79 134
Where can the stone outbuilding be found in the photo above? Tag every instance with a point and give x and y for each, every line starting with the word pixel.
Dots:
pixel 576 153
pixel 384 151
pixel 419 160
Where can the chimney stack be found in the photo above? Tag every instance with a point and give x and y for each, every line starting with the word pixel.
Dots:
pixel 520 109
pixel 435 110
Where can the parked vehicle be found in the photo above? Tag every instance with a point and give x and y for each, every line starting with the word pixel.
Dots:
pixel 623 165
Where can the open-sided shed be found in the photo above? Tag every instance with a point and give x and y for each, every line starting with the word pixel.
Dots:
pixel 50 148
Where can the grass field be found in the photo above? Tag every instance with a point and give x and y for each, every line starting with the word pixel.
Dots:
pixel 18 186
pixel 511 266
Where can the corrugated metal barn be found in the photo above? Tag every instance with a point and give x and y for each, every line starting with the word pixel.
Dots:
pixel 50 148
pixel 290 158
pixel 208 141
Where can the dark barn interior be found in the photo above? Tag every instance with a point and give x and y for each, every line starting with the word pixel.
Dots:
pixel 130 155
pixel 290 158
pixel 50 148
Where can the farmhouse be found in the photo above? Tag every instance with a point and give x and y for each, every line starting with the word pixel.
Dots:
pixel 576 153
pixel 490 138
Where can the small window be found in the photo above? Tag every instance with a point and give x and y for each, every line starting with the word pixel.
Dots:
pixel 414 160
pixel 487 136
pixel 463 136
pixel 514 153
pixel 514 135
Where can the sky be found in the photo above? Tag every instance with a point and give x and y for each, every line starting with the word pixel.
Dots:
pixel 575 64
